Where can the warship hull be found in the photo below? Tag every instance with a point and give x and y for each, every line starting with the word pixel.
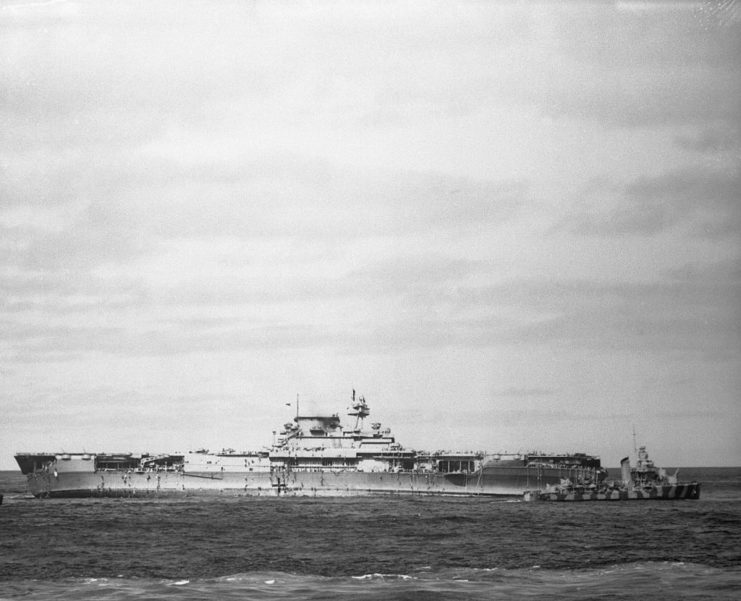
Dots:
pixel 690 490
pixel 334 483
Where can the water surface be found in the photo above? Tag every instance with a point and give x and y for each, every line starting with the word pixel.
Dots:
pixel 371 548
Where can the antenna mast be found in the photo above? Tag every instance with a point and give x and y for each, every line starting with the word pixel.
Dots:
pixel 360 410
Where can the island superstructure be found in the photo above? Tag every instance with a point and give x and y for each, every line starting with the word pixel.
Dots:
pixel 314 455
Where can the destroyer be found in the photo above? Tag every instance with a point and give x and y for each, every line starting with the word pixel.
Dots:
pixel 313 456
pixel 644 481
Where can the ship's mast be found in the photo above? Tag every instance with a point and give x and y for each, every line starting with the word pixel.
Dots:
pixel 360 410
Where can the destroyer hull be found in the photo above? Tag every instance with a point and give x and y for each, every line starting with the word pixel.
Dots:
pixel 281 483
pixel 667 492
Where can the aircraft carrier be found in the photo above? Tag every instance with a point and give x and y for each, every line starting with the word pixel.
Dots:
pixel 314 455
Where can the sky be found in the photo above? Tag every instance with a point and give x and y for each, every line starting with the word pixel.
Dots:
pixel 510 226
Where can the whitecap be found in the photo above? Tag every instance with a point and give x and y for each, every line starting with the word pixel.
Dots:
pixel 270 582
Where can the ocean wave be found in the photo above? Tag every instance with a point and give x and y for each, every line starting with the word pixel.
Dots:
pixel 624 581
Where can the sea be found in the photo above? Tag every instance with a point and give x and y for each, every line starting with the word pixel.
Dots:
pixel 372 548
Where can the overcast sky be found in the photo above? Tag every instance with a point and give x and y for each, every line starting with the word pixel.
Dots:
pixel 510 226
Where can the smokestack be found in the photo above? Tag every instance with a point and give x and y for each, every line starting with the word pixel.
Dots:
pixel 625 471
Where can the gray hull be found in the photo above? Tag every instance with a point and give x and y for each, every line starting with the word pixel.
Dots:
pixel 291 483
pixel 689 490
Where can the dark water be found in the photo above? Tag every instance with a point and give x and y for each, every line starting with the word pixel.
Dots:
pixel 372 548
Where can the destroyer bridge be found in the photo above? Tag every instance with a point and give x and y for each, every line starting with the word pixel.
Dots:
pixel 314 455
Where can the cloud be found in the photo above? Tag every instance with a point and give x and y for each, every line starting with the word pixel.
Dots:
pixel 396 301
pixel 647 68
pixel 679 312
pixel 708 275
pixel 692 415
pixel 662 316
pixel 711 140
pixel 124 211
pixel 701 200
pixel 409 301
pixel 63 292
pixel 514 392
pixel 89 314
